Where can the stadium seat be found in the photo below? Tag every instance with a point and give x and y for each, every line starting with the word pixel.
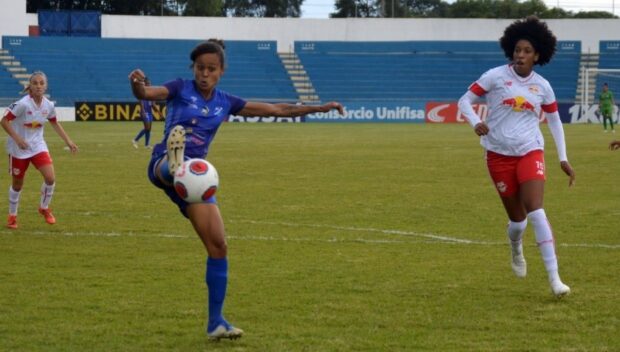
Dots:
pixel 96 69
pixel 417 70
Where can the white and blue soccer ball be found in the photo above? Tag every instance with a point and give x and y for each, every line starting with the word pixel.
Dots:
pixel 196 180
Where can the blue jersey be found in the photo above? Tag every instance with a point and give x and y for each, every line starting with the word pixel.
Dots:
pixel 201 118
pixel 146 111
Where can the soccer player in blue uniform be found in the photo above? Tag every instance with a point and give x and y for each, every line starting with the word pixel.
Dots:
pixel 146 113
pixel 195 110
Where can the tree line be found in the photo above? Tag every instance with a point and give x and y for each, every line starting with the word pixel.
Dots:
pixel 343 8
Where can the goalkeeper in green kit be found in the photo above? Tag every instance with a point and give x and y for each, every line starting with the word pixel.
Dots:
pixel 606 105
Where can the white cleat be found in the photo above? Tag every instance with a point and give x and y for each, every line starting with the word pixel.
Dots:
pixel 175 146
pixel 519 266
pixel 225 331
pixel 134 143
pixel 559 289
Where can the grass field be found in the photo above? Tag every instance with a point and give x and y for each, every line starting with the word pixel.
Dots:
pixel 367 237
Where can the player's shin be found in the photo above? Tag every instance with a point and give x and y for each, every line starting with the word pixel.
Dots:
pixel 545 241
pixel 217 280
pixel 515 231
pixel 546 244
pixel 13 201
pixel 515 236
pixel 46 195
pixel 164 172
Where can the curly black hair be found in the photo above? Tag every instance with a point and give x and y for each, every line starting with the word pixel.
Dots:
pixel 533 30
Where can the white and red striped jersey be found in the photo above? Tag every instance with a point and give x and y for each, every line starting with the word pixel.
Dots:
pixel 515 105
pixel 27 120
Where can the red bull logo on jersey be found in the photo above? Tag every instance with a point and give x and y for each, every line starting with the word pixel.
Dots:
pixel 519 104
pixel 33 124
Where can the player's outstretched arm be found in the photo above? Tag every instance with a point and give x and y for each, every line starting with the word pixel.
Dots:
pixel 144 92
pixel 253 108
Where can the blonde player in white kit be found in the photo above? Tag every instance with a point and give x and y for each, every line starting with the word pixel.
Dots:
pixel 23 121
pixel 511 136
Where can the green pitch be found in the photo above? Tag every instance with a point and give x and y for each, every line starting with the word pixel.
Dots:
pixel 341 238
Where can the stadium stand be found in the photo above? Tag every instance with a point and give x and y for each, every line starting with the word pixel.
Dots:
pixel 418 70
pixel 9 87
pixel 609 58
pixel 96 69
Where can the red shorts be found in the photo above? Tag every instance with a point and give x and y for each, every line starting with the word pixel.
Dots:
pixel 508 172
pixel 18 167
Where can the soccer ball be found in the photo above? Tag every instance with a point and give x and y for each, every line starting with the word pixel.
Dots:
pixel 196 180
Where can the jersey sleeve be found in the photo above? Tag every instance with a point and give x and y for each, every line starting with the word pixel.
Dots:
pixel 549 104
pixel 236 104
pixel 174 88
pixel 52 115
pixel 484 84
pixel 15 110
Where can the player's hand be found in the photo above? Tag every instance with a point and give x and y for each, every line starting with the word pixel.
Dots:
pixel 22 144
pixel 568 170
pixel 72 147
pixel 331 106
pixel 137 76
pixel 614 145
pixel 481 129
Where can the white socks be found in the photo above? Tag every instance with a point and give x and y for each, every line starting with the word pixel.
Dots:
pixel 545 241
pixel 515 232
pixel 46 195
pixel 13 201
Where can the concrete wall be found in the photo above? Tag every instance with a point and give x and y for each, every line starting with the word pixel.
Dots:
pixel 14 21
pixel 13 18
pixel 288 30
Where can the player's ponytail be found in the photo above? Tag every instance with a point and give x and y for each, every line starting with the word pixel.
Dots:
pixel 33 75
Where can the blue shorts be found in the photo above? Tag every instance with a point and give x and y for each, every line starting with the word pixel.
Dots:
pixel 169 190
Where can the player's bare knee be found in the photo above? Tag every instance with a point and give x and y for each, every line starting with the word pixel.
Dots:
pixel 217 249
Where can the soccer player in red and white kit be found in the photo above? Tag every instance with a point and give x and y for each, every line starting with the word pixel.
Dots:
pixel 514 144
pixel 23 122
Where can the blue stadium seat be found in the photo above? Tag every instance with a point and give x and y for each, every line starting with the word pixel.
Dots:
pixel 418 70
pixel 9 87
pixel 96 69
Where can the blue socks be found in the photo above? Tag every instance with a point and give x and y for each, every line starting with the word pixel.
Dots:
pixel 139 135
pixel 146 134
pixel 217 279
pixel 164 170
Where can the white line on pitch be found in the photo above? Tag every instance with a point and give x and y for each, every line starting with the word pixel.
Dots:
pixel 437 238
pixel 431 238
pixel 369 229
